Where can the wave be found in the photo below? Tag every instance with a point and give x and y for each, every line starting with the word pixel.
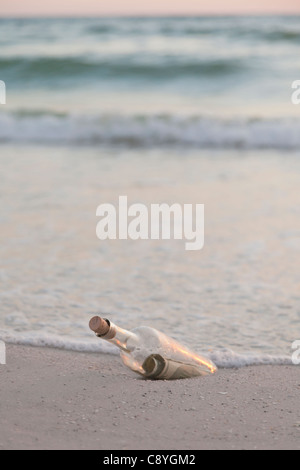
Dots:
pixel 222 358
pixel 283 35
pixel 18 69
pixel 254 28
pixel 149 131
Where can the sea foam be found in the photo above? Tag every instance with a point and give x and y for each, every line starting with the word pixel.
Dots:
pixel 225 358
pixel 150 131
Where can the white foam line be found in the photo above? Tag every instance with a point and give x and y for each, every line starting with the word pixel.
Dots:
pixel 149 131
pixel 229 359
pixel 223 359
pixel 53 341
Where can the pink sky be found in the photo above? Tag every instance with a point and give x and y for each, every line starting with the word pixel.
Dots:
pixel 148 7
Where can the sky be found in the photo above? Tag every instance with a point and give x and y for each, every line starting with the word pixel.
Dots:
pixel 144 7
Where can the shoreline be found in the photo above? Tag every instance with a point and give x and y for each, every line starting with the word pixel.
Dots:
pixel 66 273
pixel 57 399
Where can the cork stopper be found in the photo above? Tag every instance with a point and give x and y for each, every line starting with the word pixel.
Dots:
pixel 99 326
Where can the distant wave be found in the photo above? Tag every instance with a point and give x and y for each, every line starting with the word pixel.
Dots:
pixel 149 131
pixel 196 29
pixel 257 28
pixel 255 34
pixel 228 27
pixel 222 358
pixel 283 35
pixel 18 69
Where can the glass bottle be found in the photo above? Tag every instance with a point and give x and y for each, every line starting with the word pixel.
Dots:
pixel 151 353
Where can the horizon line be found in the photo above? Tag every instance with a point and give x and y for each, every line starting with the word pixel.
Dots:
pixel 147 15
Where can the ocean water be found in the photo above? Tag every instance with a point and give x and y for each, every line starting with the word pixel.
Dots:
pixel 197 82
pixel 184 109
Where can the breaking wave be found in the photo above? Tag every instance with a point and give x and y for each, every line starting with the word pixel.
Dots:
pixel 149 131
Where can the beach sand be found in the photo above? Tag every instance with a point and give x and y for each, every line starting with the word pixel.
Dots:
pixel 56 399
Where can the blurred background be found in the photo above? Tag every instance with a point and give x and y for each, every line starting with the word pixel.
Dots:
pixel 161 105
pixel 197 81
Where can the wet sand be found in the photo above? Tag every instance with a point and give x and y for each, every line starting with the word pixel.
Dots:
pixel 240 292
pixel 56 399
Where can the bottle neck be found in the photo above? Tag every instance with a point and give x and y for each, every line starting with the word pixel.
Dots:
pixel 118 336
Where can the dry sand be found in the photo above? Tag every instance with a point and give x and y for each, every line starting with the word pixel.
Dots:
pixel 55 399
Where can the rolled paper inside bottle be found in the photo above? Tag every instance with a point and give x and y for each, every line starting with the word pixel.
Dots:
pixel 157 367
pixel 153 366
